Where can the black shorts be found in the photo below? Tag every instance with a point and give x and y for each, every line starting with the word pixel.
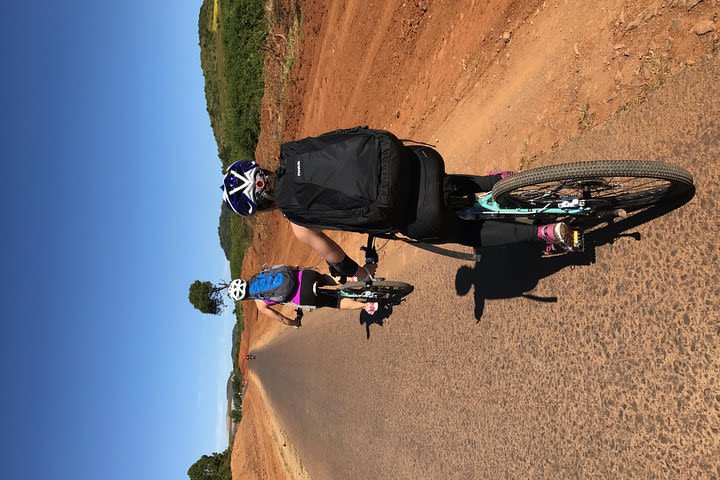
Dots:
pixel 308 296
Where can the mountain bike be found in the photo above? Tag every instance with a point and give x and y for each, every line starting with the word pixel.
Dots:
pixel 372 289
pixel 582 194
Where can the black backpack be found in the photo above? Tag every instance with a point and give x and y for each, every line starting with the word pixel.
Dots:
pixel 277 284
pixel 356 180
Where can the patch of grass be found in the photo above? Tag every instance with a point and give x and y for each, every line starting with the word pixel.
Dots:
pixel 294 40
pixel 232 62
pixel 586 118
pixel 653 69
pixel 216 15
pixel 212 63
pixel 243 30
pixel 283 46
pixel 527 162
pixel 237 378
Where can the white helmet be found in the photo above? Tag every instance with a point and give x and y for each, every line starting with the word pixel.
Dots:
pixel 237 290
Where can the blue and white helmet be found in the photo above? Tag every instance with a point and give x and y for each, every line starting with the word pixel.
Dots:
pixel 245 188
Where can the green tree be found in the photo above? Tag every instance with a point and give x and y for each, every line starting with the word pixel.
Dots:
pixel 236 415
pixel 211 467
pixel 207 297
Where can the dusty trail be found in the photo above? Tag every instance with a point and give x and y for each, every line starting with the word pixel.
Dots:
pixel 616 375
pixel 618 378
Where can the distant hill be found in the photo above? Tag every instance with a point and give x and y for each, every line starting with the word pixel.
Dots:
pixel 225 230
pixel 209 61
pixel 231 57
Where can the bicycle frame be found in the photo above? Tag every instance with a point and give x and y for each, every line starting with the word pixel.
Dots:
pixel 365 294
pixel 486 208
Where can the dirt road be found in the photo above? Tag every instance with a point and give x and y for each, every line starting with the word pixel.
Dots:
pixel 607 369
pixel 618 377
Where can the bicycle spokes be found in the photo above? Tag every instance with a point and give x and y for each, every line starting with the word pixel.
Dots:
pixel 597 192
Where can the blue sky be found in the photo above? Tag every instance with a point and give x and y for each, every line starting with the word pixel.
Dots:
pixel 110 204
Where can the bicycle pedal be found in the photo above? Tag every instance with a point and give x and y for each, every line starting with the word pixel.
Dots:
pixel 578 245
pixel 578 241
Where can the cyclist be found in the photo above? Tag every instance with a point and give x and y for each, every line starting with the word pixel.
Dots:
pixel 301 289
pixel 321 179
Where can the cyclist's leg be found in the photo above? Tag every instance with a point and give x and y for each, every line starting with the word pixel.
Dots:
pixel 351 304
pixel 326 298
pixel 493 234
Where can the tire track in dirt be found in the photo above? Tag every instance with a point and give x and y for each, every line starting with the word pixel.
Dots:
pixel 371 50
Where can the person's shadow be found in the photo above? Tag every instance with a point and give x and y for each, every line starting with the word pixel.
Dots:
pixel 378 318
pixel 512 271
pixel 515 270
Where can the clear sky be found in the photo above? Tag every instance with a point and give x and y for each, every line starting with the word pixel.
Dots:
pixel 110 205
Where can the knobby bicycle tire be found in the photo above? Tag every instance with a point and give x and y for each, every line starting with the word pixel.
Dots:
pixel 678 181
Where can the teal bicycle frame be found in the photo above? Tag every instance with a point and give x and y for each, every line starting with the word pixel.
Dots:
pixel 365 295
pixel 487 208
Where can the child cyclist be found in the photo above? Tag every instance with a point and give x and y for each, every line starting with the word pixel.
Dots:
pixel 293 286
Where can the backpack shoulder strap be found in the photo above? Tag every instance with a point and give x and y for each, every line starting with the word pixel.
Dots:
pixel 416 142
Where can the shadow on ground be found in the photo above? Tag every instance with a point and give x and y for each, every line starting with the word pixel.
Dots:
pixel 378 318
pixel 515 270
pixel 512 271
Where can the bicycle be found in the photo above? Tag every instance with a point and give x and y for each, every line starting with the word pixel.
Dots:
pixel 582 194
pixel 372 289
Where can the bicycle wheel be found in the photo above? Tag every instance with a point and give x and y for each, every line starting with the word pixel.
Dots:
pixel 602 185
pixel 380 290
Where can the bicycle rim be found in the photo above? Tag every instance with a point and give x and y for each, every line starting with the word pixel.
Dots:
pixel 604 185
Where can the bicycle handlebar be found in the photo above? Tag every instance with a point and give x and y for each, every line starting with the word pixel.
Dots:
pixel 371 255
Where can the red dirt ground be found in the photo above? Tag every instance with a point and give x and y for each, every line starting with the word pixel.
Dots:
pixel 495 84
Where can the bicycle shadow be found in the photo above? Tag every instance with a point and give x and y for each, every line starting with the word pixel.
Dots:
pixel 515 270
